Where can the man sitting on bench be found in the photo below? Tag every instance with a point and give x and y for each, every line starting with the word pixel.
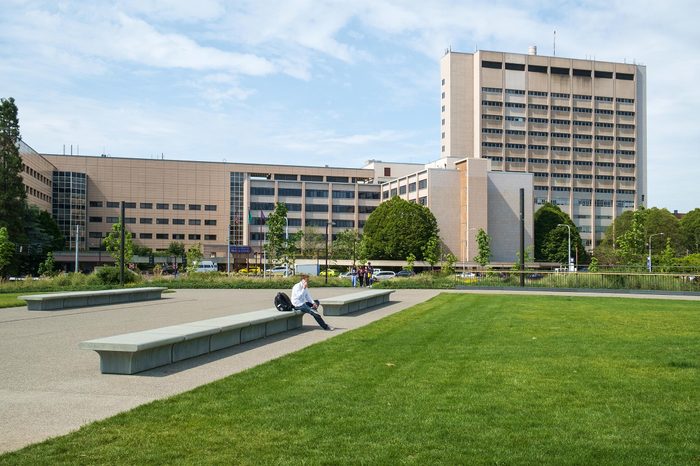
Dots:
pixel 302 300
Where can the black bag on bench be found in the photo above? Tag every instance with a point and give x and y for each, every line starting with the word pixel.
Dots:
pixel 283 303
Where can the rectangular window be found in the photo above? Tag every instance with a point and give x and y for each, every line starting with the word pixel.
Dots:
pixel 95 203
pixel 366 209
pixel 95 220
pixel 146 205
pixel 210 207
pixel 492 64
pixel 343 194
pixel 128 220
pixel 129 205
pixel 317 193
pixel 293 207
pixel 194 237
pixel 162 206
pixel 337 179
pixel 161 236
pixel 195 207
pixel 178 206
pixel 557 70
pixel 560 95
pixel 311 178
pixel 422 184
pixel 368 195
pixel 537 93
pixel 536 68
pixel 292 192
pixel 194 221
pixel 603 74
pixel 145 220
pixel 112 204
pixel 515 91
pixel 344 209
pixel 492 90
pixel 178 221
pixel 578 72
pixel 260 191
pixel 285 177
pixel 209 237
pixel 316 207
pixel 112 220
pixel 162 221
pixel 210 223
pixel 145 235
pixel 625 76
pixel 515 66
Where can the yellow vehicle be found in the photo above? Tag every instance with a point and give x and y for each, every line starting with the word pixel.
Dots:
pixel 330 272
pixel 252 270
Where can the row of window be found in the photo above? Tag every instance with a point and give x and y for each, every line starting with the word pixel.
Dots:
pixel 583 176
pixel 585 190
pixel 313 178
pixel 173 236
pixel 555 70
pixel 269 206
pixel 149 205
pixel 500 145
pixel 35 174
pixel 555 121
pixel 36 193
pixel 598 98
pixel 317 193
pixel 555 108
pixel 544 134
pixel 585 163
pixel 149 221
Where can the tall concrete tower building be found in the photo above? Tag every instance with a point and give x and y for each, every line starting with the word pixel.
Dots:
pixel 579 126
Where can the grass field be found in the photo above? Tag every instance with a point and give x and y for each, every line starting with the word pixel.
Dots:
pixel 10 300
pixel 460 379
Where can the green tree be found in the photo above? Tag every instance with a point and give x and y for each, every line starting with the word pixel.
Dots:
pixel 666 258
pixel 410 261
pixel 631 244
pixel 431 251
pixel 48 267
pixel 280 246
pixel 175 250
pixel 194 257
pixel 347 245
pixel 483 241
pixel 593 266
pixel 690 232
pixel 552 241
pixel 7 249
pixel 313 242
pixel 449 267
pixel 397 228
pixel 12 193
pixel 112 243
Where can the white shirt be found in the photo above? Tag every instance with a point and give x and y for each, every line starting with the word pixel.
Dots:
pixel 301 295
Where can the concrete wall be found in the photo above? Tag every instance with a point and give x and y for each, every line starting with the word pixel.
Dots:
pixel 504 214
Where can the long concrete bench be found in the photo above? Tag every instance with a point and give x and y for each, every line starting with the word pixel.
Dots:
pixel 353 302
pixel 70 299
pixel 130 353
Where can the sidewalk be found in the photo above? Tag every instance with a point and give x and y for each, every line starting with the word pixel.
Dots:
pixel 49 387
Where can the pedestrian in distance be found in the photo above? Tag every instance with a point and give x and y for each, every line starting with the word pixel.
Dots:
pixel 302 300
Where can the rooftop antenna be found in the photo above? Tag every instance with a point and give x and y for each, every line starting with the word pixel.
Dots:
pixel 554 44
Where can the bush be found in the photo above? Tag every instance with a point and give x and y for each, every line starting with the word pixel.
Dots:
pixel 110 276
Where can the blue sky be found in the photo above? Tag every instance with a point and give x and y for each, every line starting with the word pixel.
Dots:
pixel 304 82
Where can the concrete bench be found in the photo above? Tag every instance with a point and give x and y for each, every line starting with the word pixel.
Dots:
pixel 69 299
pixel 130 353
pixel 345 304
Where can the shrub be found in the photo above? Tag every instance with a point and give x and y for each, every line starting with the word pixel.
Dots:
pixel 110 276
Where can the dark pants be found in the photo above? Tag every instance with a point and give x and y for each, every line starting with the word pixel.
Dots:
pixel 306 309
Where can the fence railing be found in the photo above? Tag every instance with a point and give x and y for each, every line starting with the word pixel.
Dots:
pixel 591 280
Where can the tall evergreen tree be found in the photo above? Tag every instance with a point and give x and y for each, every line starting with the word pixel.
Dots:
pixel 12 194
pixel 551 241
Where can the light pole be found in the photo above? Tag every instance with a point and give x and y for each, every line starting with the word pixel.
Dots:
pixel 649 257
pixel 286 246
pixel 568 265
pixel 327 238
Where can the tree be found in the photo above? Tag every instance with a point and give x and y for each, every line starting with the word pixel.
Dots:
pixel 397 228
pixel 410 261
pixel 112 244
pixel 431 251
pixel 483 240
pixel 194 257
pixel 12 193
pixel 48 267
pixel 275 244
pixel 666 258
pixel 347 245
pixel 449 267
pixel 690 231
pixel 313 243
pixel 175 249
pixel 631 244
pixel 552 241
pixel 7 249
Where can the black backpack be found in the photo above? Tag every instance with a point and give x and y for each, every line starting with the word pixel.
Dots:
pixel 283 303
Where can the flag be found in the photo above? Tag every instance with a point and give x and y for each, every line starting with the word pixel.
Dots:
pixel 262 218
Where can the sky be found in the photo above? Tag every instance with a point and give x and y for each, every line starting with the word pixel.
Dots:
pixel 302 82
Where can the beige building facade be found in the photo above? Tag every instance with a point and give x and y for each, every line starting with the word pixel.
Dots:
pixel 578 126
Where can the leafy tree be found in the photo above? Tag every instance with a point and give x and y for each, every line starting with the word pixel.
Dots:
pixel 313 243
pixel 140 250
pixel 7 249
pixel 450 260
pixel 690 232
pixel 347 245
pixel 431 251
pixel 48 267
pixel 593 266
pixel 631 243
pixel 552 241
pixel 12 193
pixel 410 261
pixel 666 258
pixel 112 243
pixel 483 240
pixel 194 257
pixel 397 228
pixel 528 258
pixel 646 222
pixel 175 249
pixel 275 244
pixel 662 221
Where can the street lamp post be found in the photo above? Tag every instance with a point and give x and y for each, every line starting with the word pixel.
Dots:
pixel 327 224
pixel 568 265
pixel 286 246
pixel 649 257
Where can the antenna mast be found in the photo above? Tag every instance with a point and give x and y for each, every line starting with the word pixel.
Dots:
pixel 554 44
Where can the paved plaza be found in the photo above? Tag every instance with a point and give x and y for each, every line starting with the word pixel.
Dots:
pixel 49 387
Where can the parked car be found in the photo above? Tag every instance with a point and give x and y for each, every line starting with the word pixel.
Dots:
pixel 383 275
pixel 465 275
pixel 252 270
pixel 405 273
pixel 281 270
pixel 207 266
pixel 330 272
pixel 348 275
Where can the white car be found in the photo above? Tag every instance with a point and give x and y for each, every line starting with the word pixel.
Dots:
pixel 281 270
pixel 383 275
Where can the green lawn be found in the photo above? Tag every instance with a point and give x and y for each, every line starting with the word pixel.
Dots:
pixel 460 379
pixel 10 300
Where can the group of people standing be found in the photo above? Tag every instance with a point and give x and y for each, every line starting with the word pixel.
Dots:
pixel 363 275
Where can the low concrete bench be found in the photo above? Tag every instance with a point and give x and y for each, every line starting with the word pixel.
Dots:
pixel 345 304
pixel 130 353
pixel 69 299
